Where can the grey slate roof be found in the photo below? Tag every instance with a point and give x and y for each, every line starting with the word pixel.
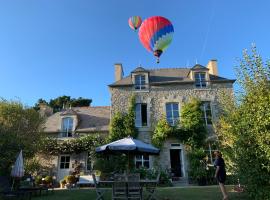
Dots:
pixel 167 76
pixel 90 119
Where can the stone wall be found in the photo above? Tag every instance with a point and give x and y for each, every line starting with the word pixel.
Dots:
pixel 156 99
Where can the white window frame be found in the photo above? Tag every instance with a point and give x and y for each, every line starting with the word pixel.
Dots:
pixel 141 85
pixel 65 132
pixel 200 80
pixel 142 160
pixel 138 115
pixel 60 161
pixel 205 112
pixel 175 120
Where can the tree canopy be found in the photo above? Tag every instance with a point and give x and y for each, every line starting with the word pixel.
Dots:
pixel 20 128
pixel 64 101
pixel 244 128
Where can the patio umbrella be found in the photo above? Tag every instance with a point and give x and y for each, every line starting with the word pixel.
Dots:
pixel 18 169
pixel 128 146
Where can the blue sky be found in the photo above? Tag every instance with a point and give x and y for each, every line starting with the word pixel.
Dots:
pixel 50 48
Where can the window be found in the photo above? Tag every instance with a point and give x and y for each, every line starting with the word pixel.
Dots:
pixel 142 161
pixel 172 113
pixel 200 81
pixel 67 127
pixel 141 115
pixel 64 162
pixel 139 82
pixel 207 114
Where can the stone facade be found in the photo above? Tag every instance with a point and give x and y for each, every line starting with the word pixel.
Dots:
pixel 156 96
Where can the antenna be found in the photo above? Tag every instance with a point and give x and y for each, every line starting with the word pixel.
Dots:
pixel 196 61
pixel 187 64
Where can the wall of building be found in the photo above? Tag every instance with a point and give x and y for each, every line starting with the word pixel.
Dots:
pixel 156 99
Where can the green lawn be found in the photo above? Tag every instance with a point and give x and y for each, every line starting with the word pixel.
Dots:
pixel 200 193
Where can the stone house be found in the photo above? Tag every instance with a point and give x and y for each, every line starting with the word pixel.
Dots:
pixel 72 123
pixel 162 92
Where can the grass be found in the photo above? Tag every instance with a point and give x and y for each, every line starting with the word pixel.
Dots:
pixel 172 193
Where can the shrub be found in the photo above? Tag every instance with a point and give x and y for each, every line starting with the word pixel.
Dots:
pixel 38 180
pixel 48 179
pixel 70 179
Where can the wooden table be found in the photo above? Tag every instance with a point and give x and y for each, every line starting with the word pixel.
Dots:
pixel 144 183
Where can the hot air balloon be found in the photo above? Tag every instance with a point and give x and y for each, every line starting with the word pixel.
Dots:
pixel 135 22
pixel 156 34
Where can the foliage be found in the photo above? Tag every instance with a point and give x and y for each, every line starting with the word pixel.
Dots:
pixel 111 163
pixel 197 165
pixel 64 101
pixel 162 131
pixel 70 179
pixel 191 129
pixel 88 143
pixel 32 166
pixel 192 123
pixel 48 179
pixel 20 128
pixel 244 129
pixel 123 124
pixel 38 180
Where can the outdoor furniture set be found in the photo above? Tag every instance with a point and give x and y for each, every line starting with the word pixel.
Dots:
pixel 127 186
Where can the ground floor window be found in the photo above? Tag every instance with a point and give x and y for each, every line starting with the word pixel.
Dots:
pixel 142 161
pixel 64 162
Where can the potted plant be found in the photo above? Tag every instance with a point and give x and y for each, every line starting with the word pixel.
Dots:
pixel 70 181
pixel 63 183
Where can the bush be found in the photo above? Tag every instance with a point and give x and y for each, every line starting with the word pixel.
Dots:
pixel 70 179
pixel 48 179
pixel 38 180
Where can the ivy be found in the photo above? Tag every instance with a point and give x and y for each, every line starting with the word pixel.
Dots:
pixel 54 146
pixel 190 130
pixel 123 124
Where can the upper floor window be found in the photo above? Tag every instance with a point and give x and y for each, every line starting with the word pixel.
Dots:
pixel 142 161
pixel 140 114
pixel 172 113
pixel 200 81
pixel 207 113
pixel 67 127
pixel 139 82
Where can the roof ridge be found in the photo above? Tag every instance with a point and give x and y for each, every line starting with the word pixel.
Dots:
pixel 92 107
pixel 169 68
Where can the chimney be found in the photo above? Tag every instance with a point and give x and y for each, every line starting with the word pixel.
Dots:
pixel 118 71
pixel 45 110
pixel 212 66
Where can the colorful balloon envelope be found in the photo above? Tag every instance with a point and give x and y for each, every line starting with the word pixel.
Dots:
pixel 135 22
pixel 156 34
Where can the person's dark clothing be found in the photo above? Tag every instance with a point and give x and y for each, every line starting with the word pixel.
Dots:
pixel 221 176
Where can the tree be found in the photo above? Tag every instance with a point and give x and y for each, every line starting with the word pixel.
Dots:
pixel 20 128
pixel 244 128
pixel 64 101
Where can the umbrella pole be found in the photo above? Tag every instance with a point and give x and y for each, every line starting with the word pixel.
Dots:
pixel 12 184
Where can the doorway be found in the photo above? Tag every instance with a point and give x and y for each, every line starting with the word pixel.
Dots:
pixel 176 168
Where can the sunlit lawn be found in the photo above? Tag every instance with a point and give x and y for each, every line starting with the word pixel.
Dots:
pixel 173 193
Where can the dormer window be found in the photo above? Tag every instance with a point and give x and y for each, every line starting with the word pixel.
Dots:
pixel 67 127
pixel 140 82
pixel 200 79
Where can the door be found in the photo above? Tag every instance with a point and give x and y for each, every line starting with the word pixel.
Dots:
pixel 63 166
pixel 175 155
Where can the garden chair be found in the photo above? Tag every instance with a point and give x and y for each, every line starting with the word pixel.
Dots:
pixel 119 188
pixel 151 188
pixel 99 191
pixel 6 191
pixel 134 188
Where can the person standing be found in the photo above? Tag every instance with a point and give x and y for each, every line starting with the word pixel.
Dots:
pixel 220 173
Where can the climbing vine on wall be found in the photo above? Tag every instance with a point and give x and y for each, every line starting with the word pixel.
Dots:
pixel 54 146
pixel 123 124
pixel 190 130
